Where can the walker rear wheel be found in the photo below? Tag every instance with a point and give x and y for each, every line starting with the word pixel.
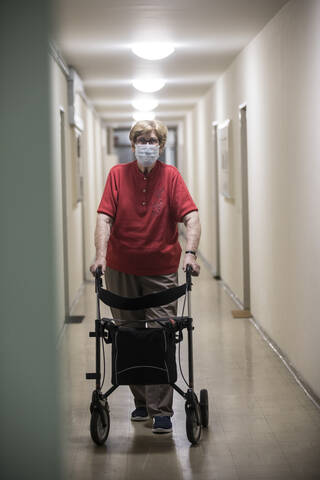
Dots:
pixel 99 433
pixel 204 407
pixel 193 423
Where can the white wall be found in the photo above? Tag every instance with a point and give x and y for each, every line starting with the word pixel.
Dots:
pixel 180 147
pixel 189 164
pixel 229 96
pixel 277 76
pixel 80 237
pixel 204 173
pixel 94 180
pixel 58 101
pixel 197 167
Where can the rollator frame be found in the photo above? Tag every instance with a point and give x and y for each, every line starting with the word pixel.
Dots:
pixel 197 414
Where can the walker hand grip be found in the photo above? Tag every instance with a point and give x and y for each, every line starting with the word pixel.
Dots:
pixel 189 271
pixel 98 280
pixel 98 271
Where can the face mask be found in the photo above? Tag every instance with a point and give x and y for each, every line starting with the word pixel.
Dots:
pixel 147 154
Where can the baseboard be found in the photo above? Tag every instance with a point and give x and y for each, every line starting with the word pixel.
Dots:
pixel 272 344
pixel 206 262
pixel 208 265
pixel 232 295
pixel 310 393
pixel 77 297
pixel 60 336
pixel 62 330
pixel 297 376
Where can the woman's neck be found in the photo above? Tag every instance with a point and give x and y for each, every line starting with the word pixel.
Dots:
pixel 145 170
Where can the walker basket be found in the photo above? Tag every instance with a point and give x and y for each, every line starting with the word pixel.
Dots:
pixel 143 356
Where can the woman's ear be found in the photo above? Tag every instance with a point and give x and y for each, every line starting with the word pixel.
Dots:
pixel 132 147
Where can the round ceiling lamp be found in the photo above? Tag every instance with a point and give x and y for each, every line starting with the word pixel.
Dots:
pixel 148 85
pixel 143 116
pixel 145 105
pixel 152 51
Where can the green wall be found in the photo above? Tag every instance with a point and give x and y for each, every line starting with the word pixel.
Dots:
pixel 29 414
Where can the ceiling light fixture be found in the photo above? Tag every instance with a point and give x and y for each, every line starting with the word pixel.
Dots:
pixel 143 116
pixel 145 104
pixel 152 51
pixel 148 85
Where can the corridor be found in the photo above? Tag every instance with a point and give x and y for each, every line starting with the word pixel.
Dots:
pixel 262 424
pixel 232 89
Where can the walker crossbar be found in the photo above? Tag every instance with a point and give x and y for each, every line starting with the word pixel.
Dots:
pixel 140 303
pixel 177 323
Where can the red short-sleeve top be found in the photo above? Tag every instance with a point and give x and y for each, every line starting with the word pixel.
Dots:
pixel 146 210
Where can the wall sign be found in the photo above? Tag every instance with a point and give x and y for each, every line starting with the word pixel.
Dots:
pixel 225 180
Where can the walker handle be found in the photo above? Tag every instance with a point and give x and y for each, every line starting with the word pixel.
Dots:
pixel 189 271
pixel 98 272
pixel 98 275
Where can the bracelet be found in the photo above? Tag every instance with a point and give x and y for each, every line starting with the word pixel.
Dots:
pixel 191 251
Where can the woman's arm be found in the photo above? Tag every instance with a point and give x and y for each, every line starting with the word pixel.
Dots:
pixel 101 238
pixel 193 232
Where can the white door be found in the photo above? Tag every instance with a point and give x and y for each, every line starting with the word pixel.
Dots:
pixel 245 207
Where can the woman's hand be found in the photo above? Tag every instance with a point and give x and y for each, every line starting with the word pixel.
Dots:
pixel 99 262
pixel 190 259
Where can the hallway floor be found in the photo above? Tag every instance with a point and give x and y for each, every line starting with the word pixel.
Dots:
pixel 262 425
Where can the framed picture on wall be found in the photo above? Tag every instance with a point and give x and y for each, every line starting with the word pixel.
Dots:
pixel 79 169
pixel 77 165
pixel 224 156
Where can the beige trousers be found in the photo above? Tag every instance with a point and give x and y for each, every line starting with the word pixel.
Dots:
pixel 156 398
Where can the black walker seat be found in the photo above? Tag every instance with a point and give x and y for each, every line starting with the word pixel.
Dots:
pixel 143 355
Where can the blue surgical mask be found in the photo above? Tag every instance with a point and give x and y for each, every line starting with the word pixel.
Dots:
pixel 147 154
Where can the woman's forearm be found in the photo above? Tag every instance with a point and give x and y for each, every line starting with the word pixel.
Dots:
pixel 193 230
pixel 102 235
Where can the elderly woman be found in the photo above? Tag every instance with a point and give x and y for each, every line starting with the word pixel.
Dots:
pixel 137 244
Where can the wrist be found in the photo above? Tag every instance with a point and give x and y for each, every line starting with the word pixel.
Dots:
pixel 191 252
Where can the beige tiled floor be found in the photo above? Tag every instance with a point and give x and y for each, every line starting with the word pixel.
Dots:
pixel 262 425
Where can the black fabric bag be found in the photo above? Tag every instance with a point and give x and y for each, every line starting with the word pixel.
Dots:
pixel 143 356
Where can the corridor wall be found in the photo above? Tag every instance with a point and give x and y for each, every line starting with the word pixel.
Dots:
pixel 187 165
pixel 81 214
pixel 30 431
pixel 204 175
pixel 59 102
pixel 197 168
pixel 277 76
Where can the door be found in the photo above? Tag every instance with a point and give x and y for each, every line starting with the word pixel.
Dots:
pixel 217 275
pixel 245 207
pixel 64 215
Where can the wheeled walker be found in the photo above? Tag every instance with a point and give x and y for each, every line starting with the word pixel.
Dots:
pixel 144 356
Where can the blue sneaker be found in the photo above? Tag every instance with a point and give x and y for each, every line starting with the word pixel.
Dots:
pixel 139 414
pixel 162 425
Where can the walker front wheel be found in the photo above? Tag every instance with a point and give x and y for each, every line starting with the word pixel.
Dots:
pixel 99 432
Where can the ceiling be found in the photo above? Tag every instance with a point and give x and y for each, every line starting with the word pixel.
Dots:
pixel 95 38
